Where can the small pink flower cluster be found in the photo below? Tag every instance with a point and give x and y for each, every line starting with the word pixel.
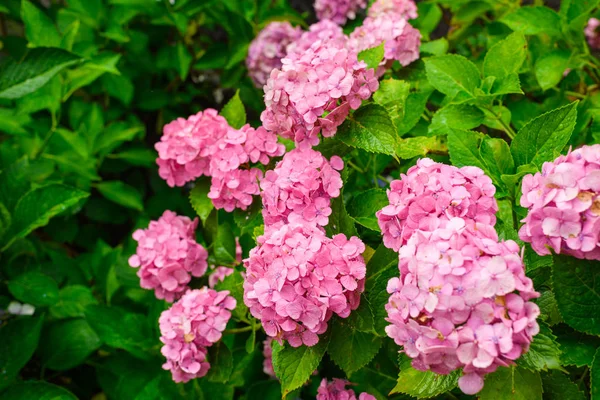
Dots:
pixel 297 277
pixel 315 90
pixel 268 48
pixel 324 31
pixel 168 255
pixel 336 390
pixel 429 195
pixel 338 11
pixel 564 205
pixel 300 188
pixel 205 144
pixel 218 275
pixel 192 324
pixel 592 33
pixel 268 354
pixel 462 300
pixel 387 23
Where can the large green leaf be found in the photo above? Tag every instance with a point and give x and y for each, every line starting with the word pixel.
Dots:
pixel 34 288
pixel 452 75
pixel 458 116
pixel 420 146
pixel 19 340
pixel 121 193
pixel 543 138
pixel 72 301
pixel 577 348
pixel 67 344
pixel 39 28
pixel 380 269
pixel 558 386
pixel 363 206
pixel 234 111
pixel 506 57
pixel 351 349
pixel 544 352
pixel 294 365
pixel 512 384
pixel 39 205
pixel 392 94
pixel 577 290
pixel 422 384
pixel 550 67
pixel 38 391
pixel 221 363
pixel 32 72
pixel 199 200
pixel 534 20
pixel 14 183
pixel 464 148
pixel 369 128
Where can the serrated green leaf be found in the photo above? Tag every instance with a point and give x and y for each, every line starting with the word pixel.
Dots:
pixel 72 301
pixel 422 384
pixel 420 146
pixel 533 20
pixel 458 116
pixel 577 348
pixel 224 245
pixel 542 138
pixel 34 288
pixel 294 365
pixel 550 67
pixel 373 56
pixel 495 153
pixel 363 206
pixel 199 199
pixel 19 340
pixel 67 344
pixel 121 193
pixel 392 95
pixel 369 128
pixel 577 290
pixel 221 363
pixel 352 349
pixel 506 57
pixel 234 111
pixel 380 269
pixel 463 147
pixel 452 74
pixel 558 386
pixel 39 28
pixel 549 309
pixel 544 352
pixel 38 391
pixel 19 78
pixel 512 384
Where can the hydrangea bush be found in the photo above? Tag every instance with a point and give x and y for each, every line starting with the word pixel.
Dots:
pixel 269 199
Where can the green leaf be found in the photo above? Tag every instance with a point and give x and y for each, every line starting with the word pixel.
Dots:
pixel 464 148
pixel 121 329
pixel 392 95
pixel 19 339
pixel 184 60
pixel 112 136
pixel 420 146
pixel 437 47
pixel 72 301
pixel 39 28
pixel 577 348
pixel 363 206
pixel 221 363
pixel 137 157
pixel 458 116
pixel 558 386
pixel 544 137
pixel 70 35
pixel 14 183
pixel 67 344
pixel 369 128
pixel 339 220
pixel 224 245
pixel 550 67
pixel 452 75
pixel 373 56
pixel 199 200
pixel 512 384
pixel 234 111
pixel 38 391
pixel 549 309
pixel 18 78
pixel 90 71
pixel 34 288
pixel 351 349
pixel 543 353
pixel 577 290
pixel 121 193
pixel 380 269
pixel 495 153
pixel 422 384
pixel 234 284
pixel 39 205
pixel 294 365
pixel 248 219
pixel 533 20
pixel 595 377
pixel 506 57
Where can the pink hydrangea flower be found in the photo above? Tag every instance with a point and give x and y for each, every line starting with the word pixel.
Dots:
pixel 218 275
pixel 429 195
pixel 268 48
pixel 297 278
pixel 205 144
pixel 268 354
pixel 462 301
pixel 338 11
pixel 324 31
pixel 592 33
pixel 300 188
pixel 316 87
pixel 192 324
pixel 336 390
pixel 168 256
pixel 405 8
pixel 564 205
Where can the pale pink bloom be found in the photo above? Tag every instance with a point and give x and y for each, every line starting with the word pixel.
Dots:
pixel 338 11
pixel 336 390
pixel 406 8
pixel 268 354
pixel 592 33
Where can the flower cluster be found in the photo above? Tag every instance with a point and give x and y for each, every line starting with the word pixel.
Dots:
pixel 338 11
pixel 592 33
pixel 268 354
pixel 268 48
pixel 205 144
pixel 297 277
pixel 387 23
pixel 300 188
pixel 336 390
pixel 429 195
pixel 218 275
pixel 314 91
pixel 564 205
pixel 324 31
pixel 462 300
pixel 192 324
pixel 168 255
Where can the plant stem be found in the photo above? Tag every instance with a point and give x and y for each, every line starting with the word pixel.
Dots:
pixel 237 330
pixel 356 167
